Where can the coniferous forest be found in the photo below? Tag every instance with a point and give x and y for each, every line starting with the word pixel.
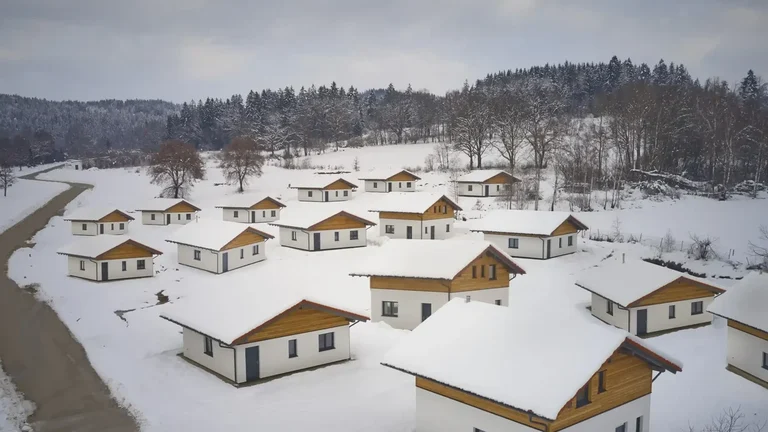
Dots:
pixel 596 122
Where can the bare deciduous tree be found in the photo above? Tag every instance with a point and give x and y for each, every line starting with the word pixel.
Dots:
pixel 761 250
pixel 508 124
pixel 731 420
pixel 7 179
pixel 176 166
pixel 240 160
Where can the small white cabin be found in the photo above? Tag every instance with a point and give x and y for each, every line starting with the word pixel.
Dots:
pixel 485 183
pixel 252 210
pixel 531 234
pixel 109 258
pixel 645 299
pixel 167 211
pixel 75 164
pixel 219 246
pixel 745 306
pixel 243 334
pixel 91 221
pixel 416 215
pixel 325 189
pixel 383 181
pixel 323 230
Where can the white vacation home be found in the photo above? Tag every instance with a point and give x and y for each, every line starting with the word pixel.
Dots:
pixel 244 334
pixel 314 230
pixel 485 183
pixel 252 210
pixel 410 280
pixel 75 164
pixel 390 181
pixel 745 306
pixel 325 189
pixel 483 368
pixel 531 234
pixel 108 258
pixel 644 298
pixel 167 211
pixel 416 215
pixel 219 246
pixel 91 221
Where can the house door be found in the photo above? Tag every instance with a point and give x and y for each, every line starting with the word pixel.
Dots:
pixel 549 248
pixel 252 363
pixel 168 219
pixel 389 187
pixel 253 217
pixel 409 232
pixel 426 311
pixel 317 242
pixel 487 190
pixel 432 232
pixel 326 196
pixel 642 321
pixel 105 271
pixel 225 262
pixel 101 228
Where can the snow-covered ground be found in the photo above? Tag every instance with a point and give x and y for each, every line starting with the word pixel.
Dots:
pixel 14 410
pixel 138 355
pixel 24 197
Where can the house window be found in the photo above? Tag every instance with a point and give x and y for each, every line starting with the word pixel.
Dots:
pixel 236 214
pixel 255 250
pixel 375 185
pixel 389 229
pixel 292 349
pixel 82 265
pixel 141 265
pixel 326 341
pixel 208 346
pixel 309 194
pixel 497 302
pixel 85 227
pixel 111 227
pixel 474 272
pixel 189 216
pixel 482 271
pixel 560 242
pixel 197 255
pixel 765 360
pixel 389 308
pixel 639 424
pixel 426 230
pixel 178 216
pixel 122 226
pixel 353 235
pixel 697 308
pixel 152 216
pixel 337 193
pixel 274 213
pixel 469 188
pixel 570 240
pixel 672 312
pixel 408 185
pixel 601 381
pixel 263 213
pixel 492 271
pixel 293 235
pixel 582 397
pixel 336 236
pixel 242 253
pixel 514 243
pixel 622 428
pixel 447 228
pixel 400 185
pixel 609 308
pixel 124 265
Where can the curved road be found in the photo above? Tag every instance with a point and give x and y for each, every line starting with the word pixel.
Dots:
pixel 47 364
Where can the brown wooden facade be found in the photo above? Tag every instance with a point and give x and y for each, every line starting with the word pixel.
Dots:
pixel 341 220
pixel 128 249
pixel 681 289
pixel 247 237
pixel 748 329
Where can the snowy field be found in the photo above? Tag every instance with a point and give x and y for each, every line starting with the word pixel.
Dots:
pixel 136 352
pixel 26 196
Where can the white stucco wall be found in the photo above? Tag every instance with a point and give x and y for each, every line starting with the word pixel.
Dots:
pixel 208 259
pixel 409 303
pixel 658 315
pixel 234 260
pixel 92 228
pixel 327 239
pixel 244 215
pixel 222 361
pixel 610 420
pixel 443 228
pixel 273 353
pixel 146 218
pixel 301 242
pixel 746 353
pixel 213 261
pixel 534 247
pixel 478 189
pixel 181 218
pixel 114 271
pixel 600 309
pixel 318 195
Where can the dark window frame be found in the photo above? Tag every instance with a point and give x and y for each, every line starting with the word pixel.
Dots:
pixel 354 235
pixel 513 243
pixel 601 388
pixel 497 302
pixel 85 227
pixel 207 346
pixel 293 235
pixel 274 213
pixel 582 396
pixel 196 255
pixel 189 216
pixel 622 428
pixel 255 250
pixel 82 265
pixel 335 236
pixel 389 308
pixel 560 243
pixel 293 348
pixel 491 271
pixel 242 253
pixel 697 307
pixel 672 312
pixel 124 265
pixel 765 360
pixel 122 225
pixel 389 229
pixel 447 228
pixel 236 214
pixel 570 240
pixel 474 272
pixel 609 308
pixel 323 342
pixel 141 264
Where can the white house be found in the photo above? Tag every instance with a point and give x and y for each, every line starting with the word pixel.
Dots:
pixel 325 189
pixel 75 164
pixel 644 298
pixel 167 211
pixel 219 246
pixel 416 215
pixel 91 221
pixel 483 368
pixel 390 181
pixel 745 306
pixel 485 183
pixel 244 334
pixel 531 234
pixel 252 210
pixel 411 279
pixel 108 258
pixel 322 230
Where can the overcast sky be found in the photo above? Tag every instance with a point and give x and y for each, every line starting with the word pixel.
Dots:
pixel 189 49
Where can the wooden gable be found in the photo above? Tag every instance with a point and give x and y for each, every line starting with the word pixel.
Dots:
pixel 410 284
pixel 248 237
pixel 436 210
pixel 340 184
pixel 501 178
pixel 182 207
pixel 400 216
pixel 566 227
pixel 403 176
pixel 116 216
pixel 465 282
pixel 267 204
pixel 341 220
pixel 679 290
pixel 129 249
pixel 748 329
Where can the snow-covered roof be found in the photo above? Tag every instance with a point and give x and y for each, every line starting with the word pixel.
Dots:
pixel 163 204
pixel 745 302
pixel 233 311
pixel 211 234
pixel 93 247
pixel 410 202
pixel 524 222
pixel 245 202
pixel 626 282
pixel 428 259
pixel 93 213
pixel 305 217
pixel 385 174
pixel 320 181
pixel 515 356
pixel 479 176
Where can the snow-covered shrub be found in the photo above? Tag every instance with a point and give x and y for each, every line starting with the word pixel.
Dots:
pixel 702 248
pixel 657 189
pixel 429 163
pixel 674 266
